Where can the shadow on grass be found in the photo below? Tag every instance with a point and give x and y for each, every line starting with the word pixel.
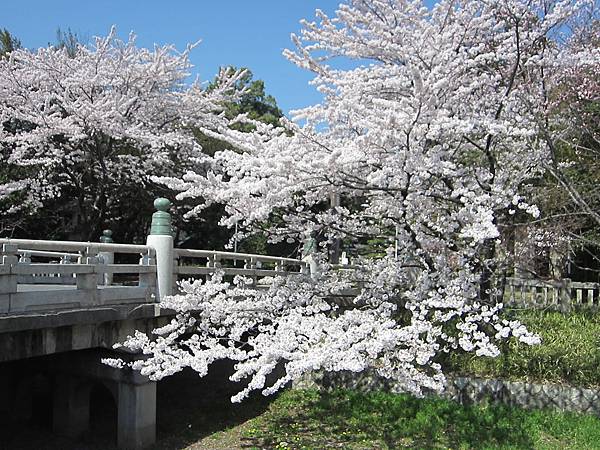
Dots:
pixel 350 419
pixel 190 408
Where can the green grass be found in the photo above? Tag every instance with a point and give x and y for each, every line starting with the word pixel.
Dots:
pixel 569 353
pixel 352 420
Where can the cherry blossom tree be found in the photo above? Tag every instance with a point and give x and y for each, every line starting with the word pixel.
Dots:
pixel 83 128
pixel 430 132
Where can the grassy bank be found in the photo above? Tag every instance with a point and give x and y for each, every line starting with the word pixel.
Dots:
pixel 352 420
pixel 569 353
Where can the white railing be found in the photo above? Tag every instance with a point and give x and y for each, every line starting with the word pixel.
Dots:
pixel 252 266
pixel 67 274
pixel 50 275
pixel 52 257
pixel 84 281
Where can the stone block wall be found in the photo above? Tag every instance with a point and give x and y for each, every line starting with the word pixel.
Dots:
pixel 526 395
pixel 467 390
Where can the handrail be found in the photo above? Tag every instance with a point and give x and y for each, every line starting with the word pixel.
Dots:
pixel 91 276
pixel 90 247
pixel 189 253
pixel 47 254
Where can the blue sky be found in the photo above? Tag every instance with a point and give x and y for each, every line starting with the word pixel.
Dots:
pixel 250 33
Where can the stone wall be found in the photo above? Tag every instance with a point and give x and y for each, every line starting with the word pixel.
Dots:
pixel 466 390
pixel 526 395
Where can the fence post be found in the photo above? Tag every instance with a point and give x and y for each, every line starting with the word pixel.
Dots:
pixel 250 264
pixel 161 240
pixel 8 281
pixel 565 295
pixel 106 258
pixel 25 258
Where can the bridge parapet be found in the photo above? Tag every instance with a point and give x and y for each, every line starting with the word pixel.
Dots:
pixel 43 285
pixel 44 275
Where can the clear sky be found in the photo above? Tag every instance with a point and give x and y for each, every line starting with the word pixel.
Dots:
pixel 243 33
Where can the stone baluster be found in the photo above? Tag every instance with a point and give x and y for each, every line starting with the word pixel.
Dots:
pixel 309 250
pixel 88 281
pixel 106 258
pixel 251 264
pixel 148 279
pixel 25 258
pixel 565 295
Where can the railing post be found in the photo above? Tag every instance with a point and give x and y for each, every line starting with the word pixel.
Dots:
pixel 251 264
pixel 88 281
pixel 565 295
pixel 161 240
pixel 8 281
pixel 106 258
pixel 146 279
pixel 25 258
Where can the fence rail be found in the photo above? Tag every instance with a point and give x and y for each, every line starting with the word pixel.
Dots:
pixel 77 280
pixel 75 246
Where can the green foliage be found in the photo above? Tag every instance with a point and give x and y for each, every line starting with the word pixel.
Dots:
pixel 257 243
pixel 8 42
pixel 68 40
pixel 569 353
pixel 354 420
pixel 255 102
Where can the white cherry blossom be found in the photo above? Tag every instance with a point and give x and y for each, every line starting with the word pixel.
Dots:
pixel 428 131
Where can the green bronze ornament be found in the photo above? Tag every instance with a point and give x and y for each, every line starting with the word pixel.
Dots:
pixel 161 219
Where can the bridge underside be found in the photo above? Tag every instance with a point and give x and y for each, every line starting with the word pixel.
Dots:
pixel 67 347
pixel 69 379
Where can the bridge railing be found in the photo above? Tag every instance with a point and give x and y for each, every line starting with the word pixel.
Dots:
pixel 205 262
pixel 25 257
pixel 560 294
pixel 37 275
pixel 83 282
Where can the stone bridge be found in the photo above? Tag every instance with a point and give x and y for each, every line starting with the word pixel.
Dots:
pixel 63 305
